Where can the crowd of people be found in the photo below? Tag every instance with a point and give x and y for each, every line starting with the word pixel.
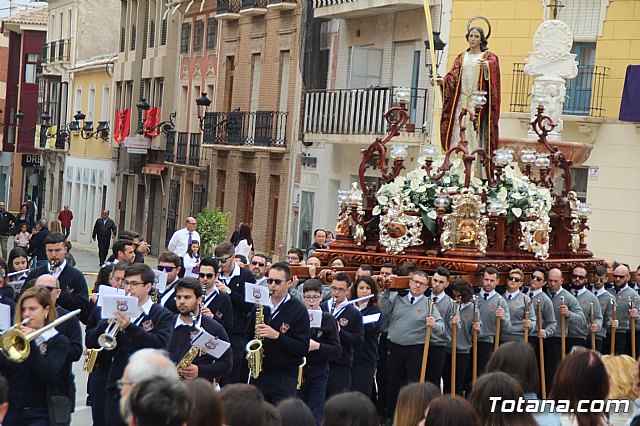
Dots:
pixel 337 346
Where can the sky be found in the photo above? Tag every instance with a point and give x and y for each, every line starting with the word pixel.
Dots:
pixel 4 5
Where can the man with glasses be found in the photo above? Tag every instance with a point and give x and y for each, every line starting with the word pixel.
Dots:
pixel 104 230
pixel 182 238
pixel 170 263
pixel 215 304
pixel 518 303
pixel 231 281
pixel 150 328
pixel 409 316
pixel 579 335
pixel 295 257
pixel 259 265
pixel 324 346
pixel 606 306
pixel 285 337
pixel 540 300
pixel 188 298
pixel 625 297
pixel 350 329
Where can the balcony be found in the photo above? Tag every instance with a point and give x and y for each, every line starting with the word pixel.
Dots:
pixel 51 138
pixel 357 115
pixel 52 52
pixel 349 9
pixel 584 92
pixel 243 128
pixel 253 7
pixel 228 10
pixel 45 53
pixel 194 149
pixel 169 155
pixel 63 50
pixel 181 155
pixel 282 4
pixel 56 51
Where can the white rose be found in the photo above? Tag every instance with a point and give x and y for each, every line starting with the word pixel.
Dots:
pixel 376 211
pixel 432 214
pixel 383 199
pixel 516 196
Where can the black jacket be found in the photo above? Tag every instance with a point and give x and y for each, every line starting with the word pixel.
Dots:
pixel 283 356
pixel 208 367
pixel 36 245
pixel 241 309
pixel 327 336
pixel 367 354
pixel 220 307
pixel 351 332
pixel 6 221
pixel 104 231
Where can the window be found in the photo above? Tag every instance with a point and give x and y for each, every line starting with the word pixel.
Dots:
pixel 53 27
pixel 198 35
pixel 159 92
pixel 133 37
pixel 366 67
pixel 91 105
pixel 165 29
pixel 274 201
pixel 78 100
pixel 152 33
pixel 69 26
pixel 122 39
pixel 31 68
pixel 104 111
pixel 221 177
pixel 118 97
pixel 185 37
pixel 212 33
pixel 61 25
pixel 579 179
pixel 579 89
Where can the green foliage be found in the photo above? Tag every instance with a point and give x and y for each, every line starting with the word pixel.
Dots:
pixel 213 227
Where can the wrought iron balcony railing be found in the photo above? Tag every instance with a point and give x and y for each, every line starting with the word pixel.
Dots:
pixel 259 128
pixel 181 155
pixel 228 6
pixel 194 149
pixel 169 155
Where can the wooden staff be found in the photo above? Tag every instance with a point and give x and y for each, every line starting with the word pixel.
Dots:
pixel 527 305
pixel 563 334
pixel 541 350
pixel 591 322
pixel 425 352
pixel 632 324
pixel 454 331
pixel 474 362
pixel 496 343
pixel 614 318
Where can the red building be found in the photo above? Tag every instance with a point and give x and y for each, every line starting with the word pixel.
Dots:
pixel 27 32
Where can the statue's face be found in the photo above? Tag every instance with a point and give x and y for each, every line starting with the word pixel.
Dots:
pixel 474 38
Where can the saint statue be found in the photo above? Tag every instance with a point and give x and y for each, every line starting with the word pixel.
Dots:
pixel 476 69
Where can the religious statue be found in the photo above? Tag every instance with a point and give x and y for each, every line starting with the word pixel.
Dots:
pixel 474 70
pixel 467 230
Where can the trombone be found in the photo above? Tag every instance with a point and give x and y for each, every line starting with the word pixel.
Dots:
pixel 15 344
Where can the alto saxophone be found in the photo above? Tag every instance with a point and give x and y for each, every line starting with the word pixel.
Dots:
pixel 301 373
pixel 192 353
pixel 255 352
pixel 90 359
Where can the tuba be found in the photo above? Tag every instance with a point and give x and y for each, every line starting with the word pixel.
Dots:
pixel 255 352
pixel 16 345
pixel 192 353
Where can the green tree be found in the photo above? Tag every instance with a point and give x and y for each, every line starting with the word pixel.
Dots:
pixel 213 226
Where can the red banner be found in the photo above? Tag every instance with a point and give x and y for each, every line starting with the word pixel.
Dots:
pixel 123 125
pixel 151 121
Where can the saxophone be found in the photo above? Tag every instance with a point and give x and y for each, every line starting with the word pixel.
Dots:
pixel 90 359
pixel 192 353
pixel 255 352
pixel 301 373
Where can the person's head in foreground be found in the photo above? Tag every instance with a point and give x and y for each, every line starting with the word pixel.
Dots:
pixel 158 402
pixel 350 409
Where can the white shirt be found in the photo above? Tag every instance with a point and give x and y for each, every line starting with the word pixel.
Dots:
pixel 171 289
pixel 208 298
pixel 599 292
pixel 274 308
pixel 490 295
pixel 143 310
pixel 244 248
pixel 262 281
pixel 415 298
pixel 59 269
pixel 510 296
pixel 234 273
pixel 338 309
pixel 534 293
pixel 180 322
pixel 180 241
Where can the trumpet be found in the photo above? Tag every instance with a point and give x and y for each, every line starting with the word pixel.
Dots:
pixel 107 340
pixel 15 343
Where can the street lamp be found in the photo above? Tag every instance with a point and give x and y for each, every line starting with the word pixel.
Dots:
pixel 86 130
pixel 438 49
pixel 61 134
pixel 167 127
pixel 203 103
pixel 19 116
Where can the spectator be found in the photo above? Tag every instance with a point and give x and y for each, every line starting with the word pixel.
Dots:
pixel 240 260
pixel 7 221
pixel 450 411
pixel 206 404
pixel 272 415
pixel 25 217
pixel 350 409
pixel 54 226
pixel 294 412
pixel 104 230
pixel 319 238
pixel 182 238
pixel 65 217
pixel 245 242
pixel 157 398
pixel 191 260
pixel 33 207
pixel 619 369
pixel 295 257
pixel 235 237
pixel 4 398
pixel 243 405
pixel 581 375
pixel 22 238
pixel 413 401
pixel 37 247
pixel 498 385
pixel 69 257
pixel 18 261
pixel 338 262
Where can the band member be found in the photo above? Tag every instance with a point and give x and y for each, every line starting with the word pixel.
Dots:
pixel 539 297
pixel 387 271
pixel 462 293
pixel 444 304
pixel 188 298
pixel 491 306
pixel 231 281
pixel 350 329
pixel 39 374
pixel 323 347
pixel 285 334
pixel 365 357
pixel 170 263
pixel 409 316
pixel 571 311
pixel 604 299
pixel 216 305
pixel 580 335
pixel 150 329
pixel 518 303
pixel 73 287
pixel 624 296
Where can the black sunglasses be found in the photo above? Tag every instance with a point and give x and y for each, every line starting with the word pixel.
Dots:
pixel 275 281
pixel 260 264
pixel 516 279
pixel 578 277
pixel 166 268
pixel 223 259
pixel 203 275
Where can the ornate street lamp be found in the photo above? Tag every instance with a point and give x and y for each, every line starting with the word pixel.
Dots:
pixel 61 135
pixel 167 127
pixel 203 103
pixel 438 48
pixel 86 130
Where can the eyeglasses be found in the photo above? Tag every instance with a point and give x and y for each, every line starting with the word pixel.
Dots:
pixel 418 282
pixel 338 289
pixel 292 258
pixel 166 268
pixel 578 277
pixel 515 279
pixel 535 278
pixel 260 264
pixel 192 223
pixel 309 297
pixel 620 276
pixel 132 284
pixel 275 281
pixel 121 383
pixel 203 275
pixel 223 259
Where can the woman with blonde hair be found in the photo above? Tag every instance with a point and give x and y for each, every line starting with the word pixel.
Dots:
pixel 413 400
pixel 623 374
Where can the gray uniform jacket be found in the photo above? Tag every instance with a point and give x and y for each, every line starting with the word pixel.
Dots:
pixel 407 322
pixel 585 299
pixel 487 309
pixel 517 306
pixel 623 299
pixel 549 322
pixel 576 316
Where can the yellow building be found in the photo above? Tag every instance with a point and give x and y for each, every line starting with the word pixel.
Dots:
pixel 606 37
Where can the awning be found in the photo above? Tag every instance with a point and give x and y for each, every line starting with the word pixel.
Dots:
pixel 152 169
